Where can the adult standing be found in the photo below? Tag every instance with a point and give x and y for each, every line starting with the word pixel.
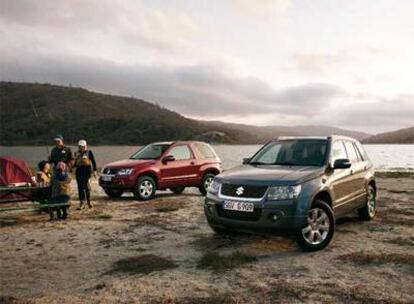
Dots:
pixel 85 165
pixel 61 153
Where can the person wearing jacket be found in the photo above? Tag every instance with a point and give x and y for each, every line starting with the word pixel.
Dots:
pixel 61 190
pixel 85 166
pixel 61 153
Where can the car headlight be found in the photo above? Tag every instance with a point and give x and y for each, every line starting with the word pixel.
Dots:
pixel 283 192
pixel 125 171
pixel 214 187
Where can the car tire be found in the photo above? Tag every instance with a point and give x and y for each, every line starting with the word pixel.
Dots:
pixel 319 229
pixel 205 183
pixel 145 188
pixel 368 212
pixel 177 190
pixel 114 193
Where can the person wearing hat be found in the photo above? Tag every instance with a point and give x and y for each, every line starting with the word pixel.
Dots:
pixel 85 165
pixel 61 153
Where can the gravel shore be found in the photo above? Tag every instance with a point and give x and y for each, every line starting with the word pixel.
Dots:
pixel 162 251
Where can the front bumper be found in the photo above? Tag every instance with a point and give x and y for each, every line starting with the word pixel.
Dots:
pixel 118 182
pixel 283 215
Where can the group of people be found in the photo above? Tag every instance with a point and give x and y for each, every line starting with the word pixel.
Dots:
pixel 54 176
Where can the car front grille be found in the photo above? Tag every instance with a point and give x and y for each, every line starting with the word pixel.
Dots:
pixel 110 171
pixel 243 191
pixel 239 215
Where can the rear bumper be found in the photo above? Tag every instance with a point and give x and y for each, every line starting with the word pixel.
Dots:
pixel 280 216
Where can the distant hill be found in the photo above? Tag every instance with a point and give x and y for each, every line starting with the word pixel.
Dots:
pixel 402 136
pixel 114 120
pixel 268 132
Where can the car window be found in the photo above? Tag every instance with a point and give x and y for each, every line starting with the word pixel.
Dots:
pixel 338 151
pixel 362 151
pixel 180 152
pixel 360 157
pixel 205 150
pixel 153 151
pixel 296 152
pixel 352 155
pixel 270 155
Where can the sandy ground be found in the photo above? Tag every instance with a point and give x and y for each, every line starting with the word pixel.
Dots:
pixel 162 251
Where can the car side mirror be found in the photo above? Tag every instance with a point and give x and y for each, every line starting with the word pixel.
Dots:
pixel 168 158
pixel 342 163
pixel 246 160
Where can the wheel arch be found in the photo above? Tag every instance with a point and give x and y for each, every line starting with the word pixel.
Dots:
pixel 372 183
pixel 213 170
pixel 151 174
pixel 323 195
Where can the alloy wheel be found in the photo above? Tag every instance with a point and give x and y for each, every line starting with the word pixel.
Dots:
pixel 146 188
pixel 208 181
pixel 318 227
pixel 371 202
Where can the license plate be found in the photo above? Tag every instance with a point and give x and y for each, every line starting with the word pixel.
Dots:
pixel 238 206
pixel 106 178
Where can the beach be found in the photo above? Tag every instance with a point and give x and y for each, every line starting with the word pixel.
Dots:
pixel 162 251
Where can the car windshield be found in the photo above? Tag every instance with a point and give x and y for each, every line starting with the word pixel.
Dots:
pixel 296 152
pixel 150 152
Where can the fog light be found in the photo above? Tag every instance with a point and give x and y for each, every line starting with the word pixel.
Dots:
pixel 275 217
pixel 210 209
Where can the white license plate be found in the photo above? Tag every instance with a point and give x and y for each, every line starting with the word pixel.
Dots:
pixel 106 178
pixel 238 206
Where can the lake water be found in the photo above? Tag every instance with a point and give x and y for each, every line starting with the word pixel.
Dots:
pixel 384 157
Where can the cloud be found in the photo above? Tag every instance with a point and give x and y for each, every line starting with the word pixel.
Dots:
pixel 263 9
pixel 190 90
pixel 122 31
pixel 205 92
pixel 317 64
pixel 167 55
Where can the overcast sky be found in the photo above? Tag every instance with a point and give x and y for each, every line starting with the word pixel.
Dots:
pixel 265 62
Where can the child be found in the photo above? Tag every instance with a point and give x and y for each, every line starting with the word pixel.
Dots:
pixel 60 191
pixel 43 175
pixel 43 181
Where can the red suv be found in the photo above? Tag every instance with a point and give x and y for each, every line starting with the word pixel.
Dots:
pixel 158 166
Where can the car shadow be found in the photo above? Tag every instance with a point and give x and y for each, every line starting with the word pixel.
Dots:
pixel 158 195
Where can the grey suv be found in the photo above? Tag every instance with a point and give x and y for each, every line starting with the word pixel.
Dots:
pixel 298 185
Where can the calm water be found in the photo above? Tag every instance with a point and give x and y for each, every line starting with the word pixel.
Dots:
pixel 384 157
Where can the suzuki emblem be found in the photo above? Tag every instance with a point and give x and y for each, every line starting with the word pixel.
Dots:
pixel 239 191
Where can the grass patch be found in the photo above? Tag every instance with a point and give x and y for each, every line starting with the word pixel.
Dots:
pixel 357 294
pixel 166 209
pixel 142 264
pixel 364 258
pixel 394 174
pixel 221 263
pixel 398 191
pixel 393 220
pixel 213 299
pixel 401 241
pixel 154 220
pixel 284 290
pixel 103 216
pixel 408 212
